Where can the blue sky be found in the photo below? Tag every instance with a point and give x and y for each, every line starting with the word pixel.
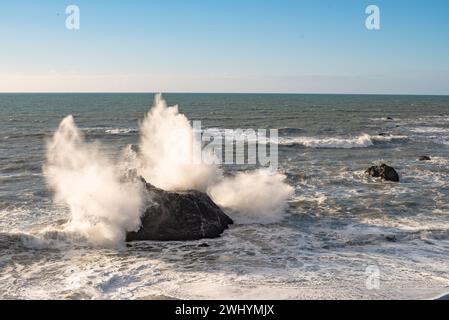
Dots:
pixel 225 46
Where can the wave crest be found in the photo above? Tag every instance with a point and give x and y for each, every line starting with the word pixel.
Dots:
pixel 362 141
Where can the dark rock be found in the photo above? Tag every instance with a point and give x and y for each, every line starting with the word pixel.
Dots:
pixel 203 245
pixel 383 134
pixel 424 158
pixel 383 171
pixel 179 216
pixel 391 238
pixel 390 118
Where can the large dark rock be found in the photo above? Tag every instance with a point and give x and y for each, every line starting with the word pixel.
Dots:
pixel 424 158
pixel 383 171
pixel 170 216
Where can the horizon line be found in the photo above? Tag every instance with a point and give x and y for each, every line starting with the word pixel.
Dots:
pixel 248 93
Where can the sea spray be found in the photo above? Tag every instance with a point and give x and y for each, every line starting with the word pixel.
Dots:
pixel 167 148
pixel 103 206
pixel 258 195
pixel 362 141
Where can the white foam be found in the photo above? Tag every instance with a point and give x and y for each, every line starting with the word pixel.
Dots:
pixel 439 161
pixel 362 141
pixel 429 130
pixel 120 130
pixel 103 207
pixel 319 198
pixel 166 160
pixel 388 138
pixel 258 195
pixel 167 147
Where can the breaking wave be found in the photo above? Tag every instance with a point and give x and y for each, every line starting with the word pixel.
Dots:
pixel 104 205
pixel 362 141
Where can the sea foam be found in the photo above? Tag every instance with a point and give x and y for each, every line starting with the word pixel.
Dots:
pixel 362 141
pixel 104 205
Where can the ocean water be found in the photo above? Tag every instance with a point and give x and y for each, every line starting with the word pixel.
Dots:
pixel 337 227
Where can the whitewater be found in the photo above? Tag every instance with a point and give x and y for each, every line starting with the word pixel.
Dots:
pixel 312 229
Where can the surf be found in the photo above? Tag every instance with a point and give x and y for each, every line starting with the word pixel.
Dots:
pixel 105 203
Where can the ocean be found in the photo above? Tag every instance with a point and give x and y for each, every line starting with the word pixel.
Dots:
pixel 340 235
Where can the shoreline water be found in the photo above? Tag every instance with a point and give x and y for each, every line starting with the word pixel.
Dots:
pixel 336 225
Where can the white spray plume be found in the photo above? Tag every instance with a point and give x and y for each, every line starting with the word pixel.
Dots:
pixel 258 195
pixel 103 207
pixel 165 160
pixel 166 151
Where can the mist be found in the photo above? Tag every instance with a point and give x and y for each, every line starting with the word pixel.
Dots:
pixel 254 196
pixel 106 202
pixel 103 207
pixel 167 145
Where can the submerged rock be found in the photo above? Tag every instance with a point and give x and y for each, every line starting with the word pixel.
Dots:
pixel 383 171
pixel 391 238
pixel 179 216
pixel 203 245
pixel 424 158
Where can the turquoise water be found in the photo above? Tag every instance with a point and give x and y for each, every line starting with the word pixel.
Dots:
pixel 337 224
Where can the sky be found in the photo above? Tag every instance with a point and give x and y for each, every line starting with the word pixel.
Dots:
pixel 255 46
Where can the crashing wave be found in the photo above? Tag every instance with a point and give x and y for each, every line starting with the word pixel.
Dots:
pixel 362 141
